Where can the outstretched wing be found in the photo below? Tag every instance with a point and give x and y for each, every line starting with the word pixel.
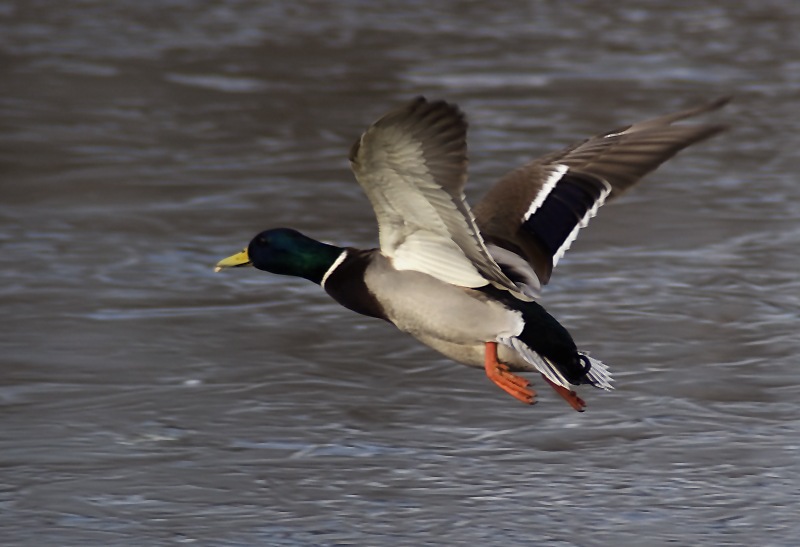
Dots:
pixel 412 164
pixel 534 213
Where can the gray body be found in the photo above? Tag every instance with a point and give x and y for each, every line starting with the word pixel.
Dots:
pixel 455 321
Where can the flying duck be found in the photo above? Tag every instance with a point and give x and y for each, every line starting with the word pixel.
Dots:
pixel 463 281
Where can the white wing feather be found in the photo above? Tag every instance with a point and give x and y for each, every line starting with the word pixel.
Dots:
pixel 412 166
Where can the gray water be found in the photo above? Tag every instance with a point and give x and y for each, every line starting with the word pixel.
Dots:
pixel 148 401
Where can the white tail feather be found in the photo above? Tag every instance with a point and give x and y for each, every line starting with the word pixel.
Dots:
pixel 598 375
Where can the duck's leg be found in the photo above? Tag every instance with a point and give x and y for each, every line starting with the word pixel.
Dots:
pixel 516 386
pixel 570 396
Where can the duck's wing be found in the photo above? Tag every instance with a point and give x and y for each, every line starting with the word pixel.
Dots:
pixel 533 214
pixel 412 164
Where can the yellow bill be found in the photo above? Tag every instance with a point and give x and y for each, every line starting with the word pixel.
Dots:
pixel 234 261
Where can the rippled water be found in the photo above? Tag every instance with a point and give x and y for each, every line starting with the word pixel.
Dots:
pixel 148 401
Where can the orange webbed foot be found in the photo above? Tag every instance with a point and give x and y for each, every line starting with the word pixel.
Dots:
pixel 570 396
pixel 516 386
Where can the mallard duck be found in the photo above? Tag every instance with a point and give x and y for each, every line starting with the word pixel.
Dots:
pixel 466 282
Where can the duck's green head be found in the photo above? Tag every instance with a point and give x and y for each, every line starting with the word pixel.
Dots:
pixel 286 252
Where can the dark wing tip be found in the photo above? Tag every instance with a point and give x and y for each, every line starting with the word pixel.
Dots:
pixel 436 115
pixel 420 109
pixel 719 102
pixel 425 119
pixel 412 108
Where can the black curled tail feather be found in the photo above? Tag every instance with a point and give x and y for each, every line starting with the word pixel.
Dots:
pixel 587 365
pixel 545 337
pixel 597 373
